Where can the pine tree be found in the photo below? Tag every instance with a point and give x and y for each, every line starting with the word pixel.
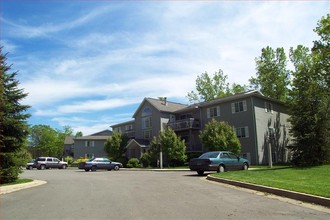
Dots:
pixel 13 124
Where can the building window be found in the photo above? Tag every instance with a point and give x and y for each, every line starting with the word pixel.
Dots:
pixel 146 111
pixel 89 143
pixel 242 132
pixel 146 122
pixel 128 127
pixel 117 129
pixel 213 112
pixel 146 134
pixel 238 106
pixel 268 107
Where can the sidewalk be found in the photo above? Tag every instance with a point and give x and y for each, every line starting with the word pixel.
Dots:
pixel 16 187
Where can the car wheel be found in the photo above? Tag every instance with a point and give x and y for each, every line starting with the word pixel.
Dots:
pixel 221 169
pixel 42 167
pixel 93 168
pixel 116 167
pixel 30 167
pixel 245 166
pixel 200 172
pixel 63 166
pixel 86 170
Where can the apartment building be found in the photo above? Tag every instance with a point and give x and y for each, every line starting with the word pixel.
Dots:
pixel 260 122
pixel 91 145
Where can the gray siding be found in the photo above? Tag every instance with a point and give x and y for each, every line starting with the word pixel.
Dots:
pixel 80 149
pixel 277 120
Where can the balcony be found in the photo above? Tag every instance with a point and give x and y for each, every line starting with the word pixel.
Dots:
pixel 185 124
pixel 129 133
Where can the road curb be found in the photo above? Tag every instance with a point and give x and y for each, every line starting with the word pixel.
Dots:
pixel 280 192
pixel 16 187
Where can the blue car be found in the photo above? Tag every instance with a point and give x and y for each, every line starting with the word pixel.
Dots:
pixel 219 161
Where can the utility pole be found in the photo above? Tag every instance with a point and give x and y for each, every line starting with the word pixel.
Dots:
pixel 270 138
pixel 161 159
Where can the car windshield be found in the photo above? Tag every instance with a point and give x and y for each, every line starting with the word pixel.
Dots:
pixel 90 160
pixel 209 155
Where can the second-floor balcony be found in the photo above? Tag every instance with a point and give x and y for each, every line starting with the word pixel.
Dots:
pixel 184 124
pixel 129 133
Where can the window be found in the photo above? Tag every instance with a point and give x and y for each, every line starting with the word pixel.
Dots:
pixel 146 134
pixel 268 107
pixel 128 127
pixel 238 106
pixel 89 143
pixel 117 129
pixel 213 112
pixel 146 111
pixel 242 132
pixel 146 122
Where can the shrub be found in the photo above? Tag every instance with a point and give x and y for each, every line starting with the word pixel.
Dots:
pixel 76 162
pixel 133 163
pixel 69 160
pixel 145 159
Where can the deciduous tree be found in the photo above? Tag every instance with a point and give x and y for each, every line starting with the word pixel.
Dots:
pixel 220 136
pixel 273 76
pixel 310 107
pixel 48 141
pixel 116 146
pixel 173 148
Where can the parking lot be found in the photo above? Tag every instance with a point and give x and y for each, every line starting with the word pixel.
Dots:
pixel 76 194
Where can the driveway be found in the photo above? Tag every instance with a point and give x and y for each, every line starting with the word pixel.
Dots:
pixel 76 194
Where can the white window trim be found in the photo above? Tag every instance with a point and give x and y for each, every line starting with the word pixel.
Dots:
pixel 246 130
pixel 212 108
pixel 233 109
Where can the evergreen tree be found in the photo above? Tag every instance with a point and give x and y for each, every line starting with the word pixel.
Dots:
pixel 13 126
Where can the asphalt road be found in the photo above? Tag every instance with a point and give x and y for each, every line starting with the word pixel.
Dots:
pixel 76 194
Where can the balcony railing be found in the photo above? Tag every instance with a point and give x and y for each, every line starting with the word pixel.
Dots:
pixel 129 133
pixel 185 124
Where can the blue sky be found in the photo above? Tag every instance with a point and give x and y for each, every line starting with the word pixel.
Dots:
pixel 89 64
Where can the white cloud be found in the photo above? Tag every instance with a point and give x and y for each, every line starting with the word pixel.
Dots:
pixel 149 50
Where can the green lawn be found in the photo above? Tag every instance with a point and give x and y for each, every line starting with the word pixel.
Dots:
pixel 313 180
pixel 17 182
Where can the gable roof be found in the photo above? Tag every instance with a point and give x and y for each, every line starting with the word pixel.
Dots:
pixel 102 135
pixel 160 105
pixel 228 99
pixel 69 140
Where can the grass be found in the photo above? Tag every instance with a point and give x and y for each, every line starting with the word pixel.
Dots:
pixel 311 180
pixel 19 181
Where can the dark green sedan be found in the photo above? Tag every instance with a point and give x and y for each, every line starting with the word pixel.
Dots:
pixel 219 161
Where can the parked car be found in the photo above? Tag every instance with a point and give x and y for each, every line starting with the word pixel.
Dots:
pixel 42 163
pixel 219 161
pixel 94 164
pixel 30 165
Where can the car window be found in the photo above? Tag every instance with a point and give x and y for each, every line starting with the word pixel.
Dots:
pixel 106 160
pixel 209 155
pixel 49 159
pixel 56 160
pixel 225 155
pixel 232 155
pixel 41 159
